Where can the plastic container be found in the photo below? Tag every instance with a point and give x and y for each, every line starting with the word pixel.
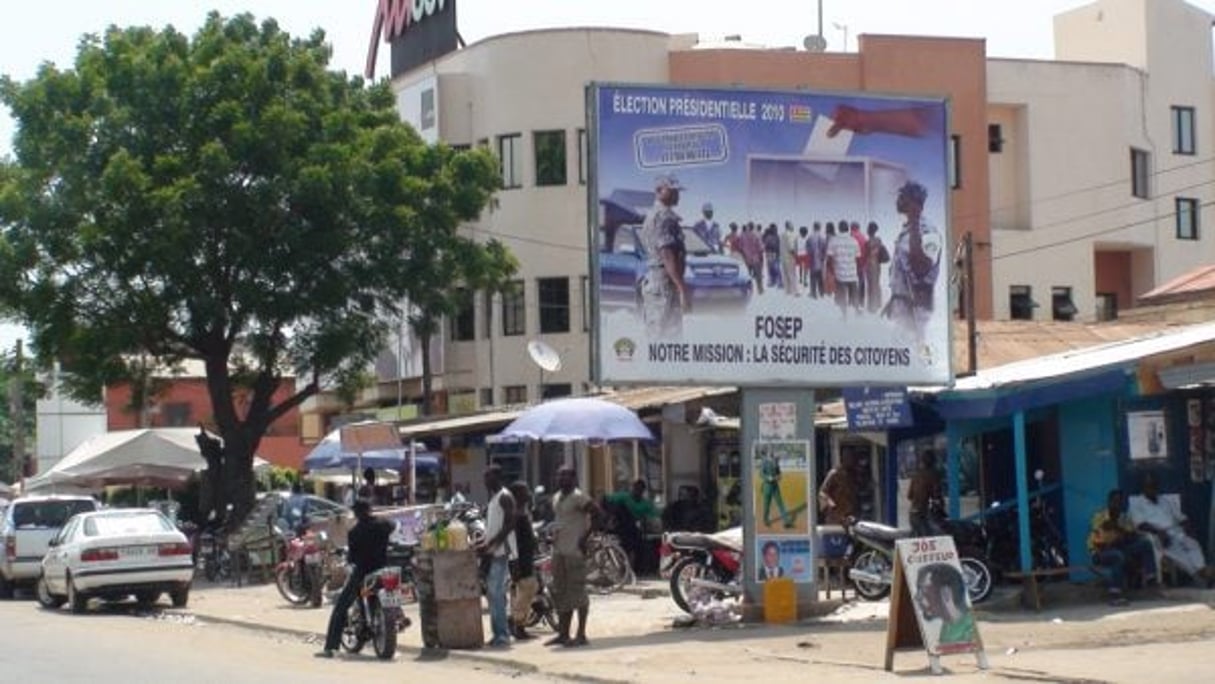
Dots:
pixel 780 600
pixel 457 536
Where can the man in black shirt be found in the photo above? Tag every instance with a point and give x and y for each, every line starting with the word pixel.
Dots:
pixel 523 572
pixel 367 550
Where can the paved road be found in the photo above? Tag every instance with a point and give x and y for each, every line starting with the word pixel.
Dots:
pixel 116 644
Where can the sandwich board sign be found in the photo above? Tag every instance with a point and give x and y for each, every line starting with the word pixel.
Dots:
pixel 929 605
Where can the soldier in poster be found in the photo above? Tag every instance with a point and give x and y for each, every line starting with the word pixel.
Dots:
pixel 663 294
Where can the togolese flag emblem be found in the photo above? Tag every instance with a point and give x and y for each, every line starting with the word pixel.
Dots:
pixel 800 113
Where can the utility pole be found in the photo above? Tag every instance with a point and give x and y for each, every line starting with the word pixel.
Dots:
pixel 972 335
pixel 17 412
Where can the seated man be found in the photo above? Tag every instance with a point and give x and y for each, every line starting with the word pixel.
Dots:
pixel 1114 544
pixel 1162 521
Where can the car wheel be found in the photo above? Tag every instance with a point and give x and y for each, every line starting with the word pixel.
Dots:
pixel 45 598
pixel 78 602
pixel 6 587
pixel 180 598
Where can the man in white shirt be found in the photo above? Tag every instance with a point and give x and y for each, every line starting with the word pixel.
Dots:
pixel 842 253
pixel 500 547
pixel 1162 521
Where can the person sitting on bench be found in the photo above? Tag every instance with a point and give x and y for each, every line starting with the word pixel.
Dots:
pixel 1161 520
pixel 1114 544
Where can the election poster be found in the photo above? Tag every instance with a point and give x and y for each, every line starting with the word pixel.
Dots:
pixel 784 557
pixel 765 238
pixel 782 487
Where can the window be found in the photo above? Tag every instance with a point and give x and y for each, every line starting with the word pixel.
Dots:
pixel 1020 303
pixel 554 304
pixel 1187 218
pixel 1183 130
pixel 428 109
pixel 510 160
pixel 483 142
pixel 1107 306
pixel 556 391
pixel 583 159
pixel 177 414
pixel 514 311
pixel 488 312
pixel 1061 306
pixel 515 394
pixel 995 138
pixel 461 147
pixel 1139 173
pixel 487 397
pixel 955 161
pixel 586 303
pixel 464 322
pixel 550 157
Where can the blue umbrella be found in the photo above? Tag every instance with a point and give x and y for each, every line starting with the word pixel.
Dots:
pixel 577 419
pixel 328 455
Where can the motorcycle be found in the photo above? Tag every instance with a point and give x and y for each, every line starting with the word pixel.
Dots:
pixel 1047 548
pixel 376 615
pixel 702 563
pixel 872 570
pixel 301 576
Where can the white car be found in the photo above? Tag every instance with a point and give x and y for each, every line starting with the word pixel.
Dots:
pixel 28 525
pixel 114 554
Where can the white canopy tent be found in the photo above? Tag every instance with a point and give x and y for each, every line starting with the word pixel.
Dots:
pixel 158 457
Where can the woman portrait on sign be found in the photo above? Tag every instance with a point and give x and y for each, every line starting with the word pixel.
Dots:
pixel 941 594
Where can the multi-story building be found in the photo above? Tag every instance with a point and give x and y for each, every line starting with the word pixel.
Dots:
pixel 1101 170
pixel 1085 181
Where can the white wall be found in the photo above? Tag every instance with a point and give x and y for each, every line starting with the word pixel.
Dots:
pixel 521 83
pixel 62 424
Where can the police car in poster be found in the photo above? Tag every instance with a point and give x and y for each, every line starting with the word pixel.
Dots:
pixel 769 237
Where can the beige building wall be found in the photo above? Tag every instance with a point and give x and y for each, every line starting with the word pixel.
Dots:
pixel 521 83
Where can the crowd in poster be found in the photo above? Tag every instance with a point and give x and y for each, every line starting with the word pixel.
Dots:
pixel 933 575
pixel 764 237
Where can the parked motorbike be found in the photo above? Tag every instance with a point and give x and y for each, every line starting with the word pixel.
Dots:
pixel 376 615
pixel 872 569
pixel 400 556
pixel 704 564
pixel 1047 548
pixel 300 577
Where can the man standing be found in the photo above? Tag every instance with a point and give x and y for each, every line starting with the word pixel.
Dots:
pixel 861 243
pixel 367 551
pixel 1114 544
pixel 708 230
pixel 575 514
pixel 925 488
pixel 664 298
pixel 634 510
pixel 752 249
pixel 499 545
pixel 837 496
pixel 523 572
pixel 769 473
pixel 841 259
pixel 818 260
pixel 875 255
pixel 916 263
pixel 788 259
pixel 1162 520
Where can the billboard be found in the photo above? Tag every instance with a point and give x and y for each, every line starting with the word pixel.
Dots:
pixel 766 238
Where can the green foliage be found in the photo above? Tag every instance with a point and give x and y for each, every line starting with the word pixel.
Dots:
pixel 31 391
pixel 226 198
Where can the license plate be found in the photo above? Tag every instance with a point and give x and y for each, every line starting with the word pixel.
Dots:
pixel 138 551
pixel 389 599
pixel 312 558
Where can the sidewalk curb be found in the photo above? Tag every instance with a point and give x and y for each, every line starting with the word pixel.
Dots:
pixel 308 636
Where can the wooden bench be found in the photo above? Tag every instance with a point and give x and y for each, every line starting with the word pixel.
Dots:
pixel 1031 595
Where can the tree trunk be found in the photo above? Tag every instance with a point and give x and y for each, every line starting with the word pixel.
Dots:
pixel 424 339
pixel 238 482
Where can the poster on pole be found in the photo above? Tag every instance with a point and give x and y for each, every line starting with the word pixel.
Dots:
pixel 1146 437
pixel 764 238
pixel 782 488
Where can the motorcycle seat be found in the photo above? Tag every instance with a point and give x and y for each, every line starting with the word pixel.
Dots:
pixel 701 540
pixel 879 531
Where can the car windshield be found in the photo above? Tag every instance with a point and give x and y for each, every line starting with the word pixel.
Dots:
pixel 48 514
pixel 115 525
pixel 626 241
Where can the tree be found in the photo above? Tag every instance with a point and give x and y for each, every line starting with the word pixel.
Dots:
pixel 225 198
pixel 29 392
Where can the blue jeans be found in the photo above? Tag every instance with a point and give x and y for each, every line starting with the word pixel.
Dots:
pixel 1116 560
pixel 496 593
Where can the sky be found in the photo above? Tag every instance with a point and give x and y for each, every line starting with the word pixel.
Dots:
pixel 35 32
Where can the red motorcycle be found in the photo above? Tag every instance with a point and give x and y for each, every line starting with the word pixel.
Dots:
pixel 301 575
pixel 708 565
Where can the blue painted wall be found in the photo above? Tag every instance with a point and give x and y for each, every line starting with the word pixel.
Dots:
pixel 1088 444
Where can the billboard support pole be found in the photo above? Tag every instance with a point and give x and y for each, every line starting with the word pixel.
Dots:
pixel 802 429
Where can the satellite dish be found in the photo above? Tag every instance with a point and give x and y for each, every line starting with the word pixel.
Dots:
pixel 544 356
pixel 814 43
